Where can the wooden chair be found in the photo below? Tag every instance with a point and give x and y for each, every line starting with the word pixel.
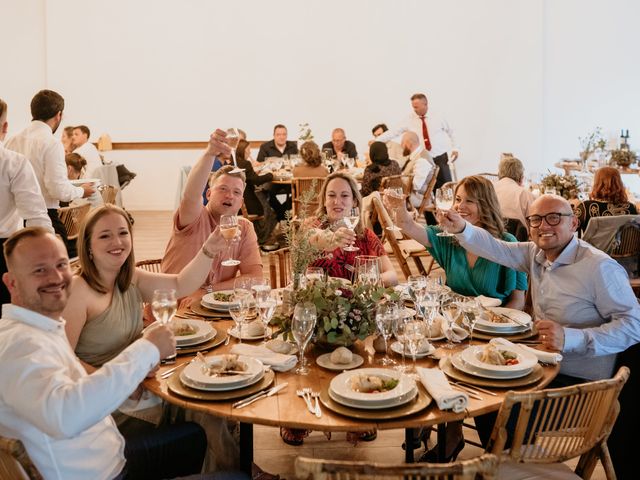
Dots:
pixel 628 247
pixel 396 181
pixel 399 246
pixel 427 197
pixel 483 467
pixel 556 425
pixel 150 265
pixel 250 216
pixel 279 267
pixel 109 193
pixel 72 217
pixel 15 462
pixel 299 186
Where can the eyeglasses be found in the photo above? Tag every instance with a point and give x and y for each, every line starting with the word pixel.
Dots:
pixel 552 219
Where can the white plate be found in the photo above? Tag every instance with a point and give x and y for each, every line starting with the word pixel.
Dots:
pixel 521 318
pixel 198 341
pixel 504 331
pixel 471 356
pixel 234 333
pixel 221 388
pixel 82 181
pixel 203 329
pixel 324 361
pixel 461 365
pixel 410 395
pixel 397 348
pixel 341 387
pixel 489 301
pixel 193 375
pixel 208 301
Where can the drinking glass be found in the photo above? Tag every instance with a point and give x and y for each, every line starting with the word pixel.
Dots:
pixel 399 329
pixel 431 303
pixel 451 312
pixel 302 325
pixel 384 321
pixel 314 274
pixel 229 229
pixel 367 270
pixel 238 309
pixel 245 286
pixel 266 303
pixel 164 306
pixel 351 221
pixel 417 288
pixel 471 311
pixel 395 192
pixel 350 163
pixel 444 201
pixel 233 137
pixel 414 333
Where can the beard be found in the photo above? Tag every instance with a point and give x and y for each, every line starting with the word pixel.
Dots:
pixel 406 152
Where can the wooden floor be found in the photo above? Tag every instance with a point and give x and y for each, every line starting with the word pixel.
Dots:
pixel 151 233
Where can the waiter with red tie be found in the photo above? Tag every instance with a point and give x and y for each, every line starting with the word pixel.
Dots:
pixel 434 132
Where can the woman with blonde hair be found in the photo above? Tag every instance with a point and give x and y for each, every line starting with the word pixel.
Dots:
pixel 607 198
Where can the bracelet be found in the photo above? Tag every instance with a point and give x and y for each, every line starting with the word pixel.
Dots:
pixel 207 253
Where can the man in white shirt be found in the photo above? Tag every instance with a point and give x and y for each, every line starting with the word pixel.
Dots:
pixel 434 133
pixel 419 164
pixel 46 154
pixel 514 199
pixel 47 399
pixel 20 197
pixel 83 147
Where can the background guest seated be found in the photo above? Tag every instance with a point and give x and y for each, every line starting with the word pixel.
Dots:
pixel 381 166
pixel 311 165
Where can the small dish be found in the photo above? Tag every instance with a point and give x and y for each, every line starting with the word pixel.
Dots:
pixel 324 361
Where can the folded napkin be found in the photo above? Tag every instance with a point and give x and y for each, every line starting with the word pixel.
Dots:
pixel 438 387
pixel 277 361
pixel 489 301
pixel 453 332
pixel 551 358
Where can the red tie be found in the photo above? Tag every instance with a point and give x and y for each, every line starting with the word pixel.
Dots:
pixel 425 134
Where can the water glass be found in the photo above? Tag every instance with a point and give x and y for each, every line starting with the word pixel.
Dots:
pixel 266 303
pixel 367 270
pixel 238 309
pixel 399 329
pixel 314 274
pixel 303 324
pixel 385 316
pixel 471 310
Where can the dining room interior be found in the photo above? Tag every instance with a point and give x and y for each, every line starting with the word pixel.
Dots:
pixel 552 83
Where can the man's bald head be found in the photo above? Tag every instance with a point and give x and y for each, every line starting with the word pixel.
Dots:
pixel 410 141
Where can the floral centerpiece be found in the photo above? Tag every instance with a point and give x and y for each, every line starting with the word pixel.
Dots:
pixel 623 157
pixel 304 135
pixel 564 185
pixel 345 312
pixel 593 143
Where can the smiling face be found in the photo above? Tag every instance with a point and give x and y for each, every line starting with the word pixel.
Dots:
pixel 338 199
pixel 110 242
pixel 280 137
pixel 552 239
pixel 225 195
pixel 39 275
pixel 466 206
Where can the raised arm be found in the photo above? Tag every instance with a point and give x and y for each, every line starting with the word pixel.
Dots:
pixel 191 202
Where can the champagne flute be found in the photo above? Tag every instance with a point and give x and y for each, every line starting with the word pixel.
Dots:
pixel 229 229
pixel 238 310
pixel 164 306
pixel 395 192
pixel 351 221
pixel 233 138
pixel 384 322
pixel 302 325
pixel 444 201
pixel 399 329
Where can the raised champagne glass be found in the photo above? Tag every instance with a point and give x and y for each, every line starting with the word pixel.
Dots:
pixel 233 138
pixel 229 229
pixel 444 202
pixel 164 306
pixel 351 221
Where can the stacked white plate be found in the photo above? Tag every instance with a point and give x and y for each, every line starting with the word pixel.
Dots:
pixel 341 390
pixel 209 301
pixel 468 361
pixel 521 322
pixel 195 376
pixel 203 332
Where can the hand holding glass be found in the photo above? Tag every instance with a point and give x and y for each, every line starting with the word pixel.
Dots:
pixel 233 138
pixel 444 202
pixel 164 306
pixel 351 221
pixel 395 192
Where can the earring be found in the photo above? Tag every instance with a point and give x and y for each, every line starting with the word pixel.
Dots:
pixel 90 255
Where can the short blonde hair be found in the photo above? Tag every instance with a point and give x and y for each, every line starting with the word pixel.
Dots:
pixel 511 167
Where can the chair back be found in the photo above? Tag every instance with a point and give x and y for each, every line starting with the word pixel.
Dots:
pixel 300 187
pixel 109 193
pixel 72 217
pixel 555 425
pixel 15 462
pixel 391 236
pixel 250 216
pixel 279 267
pixel 150 265
pixel 427 197
pixel 483 467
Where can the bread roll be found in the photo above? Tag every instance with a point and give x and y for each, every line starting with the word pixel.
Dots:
pixel 341 356
pixel 255 328
pixel 279 346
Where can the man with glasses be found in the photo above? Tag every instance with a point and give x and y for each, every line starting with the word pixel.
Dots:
pixel 583 305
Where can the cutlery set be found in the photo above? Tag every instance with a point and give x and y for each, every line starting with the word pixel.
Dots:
pixel 312 405
pixel 269 392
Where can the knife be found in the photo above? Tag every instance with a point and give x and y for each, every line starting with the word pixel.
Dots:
pixel 259 395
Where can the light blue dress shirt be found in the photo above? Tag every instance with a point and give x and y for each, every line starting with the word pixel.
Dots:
pixel 584 290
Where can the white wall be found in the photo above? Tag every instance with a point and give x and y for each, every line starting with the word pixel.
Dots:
pixel 509 75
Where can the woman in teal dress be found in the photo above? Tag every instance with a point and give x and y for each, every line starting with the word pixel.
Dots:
pixel 467 274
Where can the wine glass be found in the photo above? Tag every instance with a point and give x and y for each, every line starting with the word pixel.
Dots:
pixel 266 303
pixel 351 221
pixel 399 329
pixel 350 163
pixel 302 325
pixel 451 312
pixel 395 192
pixel 238 309
pixel 471 310
pixel 444 201
pixel 384 321
pixel 229 229
pixel 414 333
pixel 431 303
pixel 233 138
pixel 367 270
pixel 164 306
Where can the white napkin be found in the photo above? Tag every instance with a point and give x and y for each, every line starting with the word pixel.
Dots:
pixel 436 383
pixel 278 361
pixel 455 332
pixel 489 301
pixel 543 356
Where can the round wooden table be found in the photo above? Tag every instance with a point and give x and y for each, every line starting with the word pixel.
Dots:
pixel 288 410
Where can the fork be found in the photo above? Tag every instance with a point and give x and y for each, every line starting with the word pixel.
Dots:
pixel 301 393
pixel 315 396
pixel 308 392
pixel 228 339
